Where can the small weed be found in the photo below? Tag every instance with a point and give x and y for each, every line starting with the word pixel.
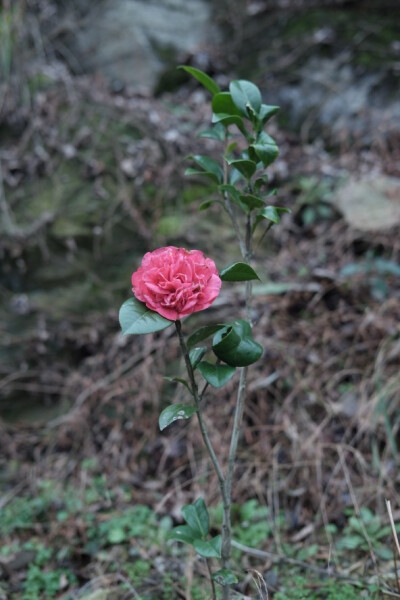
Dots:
pixel 41 580
pixel 366 531
pixel 42 583
pixel 134 522
pixel 302 588
pixel 313 200
pixel 169 592
pixel 255 526
pixel 252 523
pixel 22 513
pixel 300 552
pixel 375 271
pixel 138 570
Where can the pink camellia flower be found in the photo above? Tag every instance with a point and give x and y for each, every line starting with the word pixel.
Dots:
pixel 176 282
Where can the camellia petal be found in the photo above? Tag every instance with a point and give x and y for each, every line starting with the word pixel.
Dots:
pixel 176 282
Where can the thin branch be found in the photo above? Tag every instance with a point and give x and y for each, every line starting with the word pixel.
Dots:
pixel 392 525
pixel 196 398
pixel 8 221
pixel 236 428
pixel 246 247
pixel 230 210
pixel 357 508
pixel 214 591
pixel 262 554
pixel 396 542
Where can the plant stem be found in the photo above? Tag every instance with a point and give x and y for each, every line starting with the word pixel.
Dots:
pixel 196 397
pixel 230 209
pixel 247 251
pixel 226 498
pixel 214 592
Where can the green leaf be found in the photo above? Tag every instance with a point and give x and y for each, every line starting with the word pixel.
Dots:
pixel 222 104
pixel 183 533
pixel 216 375
pixel 215 133
pixel 246 201
pixel 273 213
pixel 173 413
pixel 196 354
pixel 178 380
pixel 235 346
pixel 207 203
pixel 227 120
pixel 231 147
pixel 209 165
pixel 234 177
pixel 266 112
pixel 239 271
pixel 270 213
pixel 202 334
pixel 260 182
pixel 384 553
pixel 266 153
pixel 226 113
pixel 251 202
pixel 245 93
pixel 252 115
pixel 225 577
pixel 209 548
pixel 265 149
pixel 204 79
pixel 116 535
pixel 136 318
pixel 232 191
pixel 196 516
pixel 208 174
pixel 246 167
pixel 350 542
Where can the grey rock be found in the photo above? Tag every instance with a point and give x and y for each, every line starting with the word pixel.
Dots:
pixel 133 41
pixel 371 203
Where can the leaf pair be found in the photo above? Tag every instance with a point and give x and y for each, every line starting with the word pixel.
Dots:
pixel 196 530
pixel 234 344
pixel 243 101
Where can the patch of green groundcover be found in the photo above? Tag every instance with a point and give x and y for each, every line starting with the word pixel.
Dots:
pixel 60 540
pixel 59 535
pixel 306 587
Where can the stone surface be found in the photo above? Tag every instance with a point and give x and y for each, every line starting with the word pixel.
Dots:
pixel 335 73
pixel 134 40
pixel 333 97
pixel 370 204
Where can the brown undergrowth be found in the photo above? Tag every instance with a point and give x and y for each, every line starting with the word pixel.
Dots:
pixel 322 404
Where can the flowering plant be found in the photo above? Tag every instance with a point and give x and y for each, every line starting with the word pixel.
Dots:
pixel 172 283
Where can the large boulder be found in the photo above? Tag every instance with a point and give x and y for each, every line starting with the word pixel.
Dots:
pixel 133 41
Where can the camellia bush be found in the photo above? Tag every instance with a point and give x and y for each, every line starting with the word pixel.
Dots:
pixel 173 283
